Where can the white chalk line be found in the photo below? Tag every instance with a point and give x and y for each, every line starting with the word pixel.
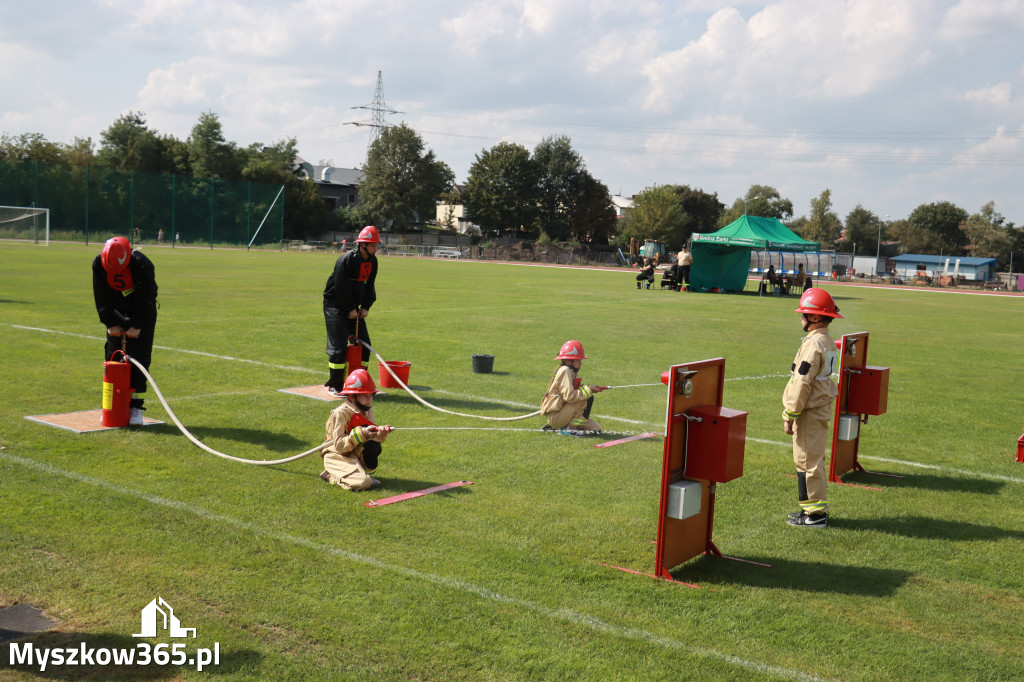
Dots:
pixel 888 460
pixel 562 614
pixel 510 403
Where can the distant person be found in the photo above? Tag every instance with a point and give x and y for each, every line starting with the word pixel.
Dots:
pixel 800 279
pixel 160 236
pixel 807 405
pixel 353 440
pixel 769 279
pixel 177 236
pixel 684 259
pixel 124 288
pixel 567 402
pixel 348 295
pixel 646 276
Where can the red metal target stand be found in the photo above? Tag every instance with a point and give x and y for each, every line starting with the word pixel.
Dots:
pixel 863 391
pixel 704 445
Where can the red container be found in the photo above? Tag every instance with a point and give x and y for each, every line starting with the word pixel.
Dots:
pixel 869 391
pixel 1020 449
pixel 117 393
pixel 715 444
pixel 400 368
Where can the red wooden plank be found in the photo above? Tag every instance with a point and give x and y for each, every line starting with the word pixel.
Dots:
pixel 608 444
pixel 415 493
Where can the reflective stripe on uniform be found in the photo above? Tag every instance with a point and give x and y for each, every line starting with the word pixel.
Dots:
pixel 814 507
pixel 336 365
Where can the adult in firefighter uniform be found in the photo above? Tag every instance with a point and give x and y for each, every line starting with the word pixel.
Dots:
pixel 353 440
pixel 348 296
pixel 567 402
pixel 124 288
pixel 807 406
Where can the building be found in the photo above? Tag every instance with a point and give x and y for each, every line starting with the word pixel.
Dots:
pixel 339 187
pixel 453 215
pixel 912 265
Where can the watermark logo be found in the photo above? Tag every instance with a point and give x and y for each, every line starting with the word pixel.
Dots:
pixel 157 619
pixel 151 620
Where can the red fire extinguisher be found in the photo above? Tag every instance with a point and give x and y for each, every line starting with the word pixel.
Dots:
pixel 117 391
pixel 353 353
pixel 1020 449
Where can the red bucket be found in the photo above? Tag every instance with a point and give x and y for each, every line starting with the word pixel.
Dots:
pixel 401 370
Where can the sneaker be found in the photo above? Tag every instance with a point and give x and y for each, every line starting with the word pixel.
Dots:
pixel 574 432
pixel 333 391
pixel 546 427
pixel 795 515
pixel 810 521
pixel 325 476
pixel 135 417
pixel 376 482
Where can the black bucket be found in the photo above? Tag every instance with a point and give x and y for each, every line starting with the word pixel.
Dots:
pixel 483 364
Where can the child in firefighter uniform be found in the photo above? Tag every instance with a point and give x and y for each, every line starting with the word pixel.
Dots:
pixel 124 289
pixel 808 403
pixel 353 440
pixel 567 402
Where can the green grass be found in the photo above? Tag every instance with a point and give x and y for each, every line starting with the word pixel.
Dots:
pixel 502 579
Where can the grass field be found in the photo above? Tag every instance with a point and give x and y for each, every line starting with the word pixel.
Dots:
pixel 502 579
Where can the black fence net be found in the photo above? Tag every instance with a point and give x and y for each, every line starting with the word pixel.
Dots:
pixel 92 204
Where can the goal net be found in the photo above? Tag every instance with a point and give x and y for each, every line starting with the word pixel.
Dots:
pixel 23 222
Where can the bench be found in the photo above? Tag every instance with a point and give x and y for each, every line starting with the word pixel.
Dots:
pixel 446 252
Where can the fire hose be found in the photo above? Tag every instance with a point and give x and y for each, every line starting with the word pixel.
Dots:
pixel 273 462
pixel 198 443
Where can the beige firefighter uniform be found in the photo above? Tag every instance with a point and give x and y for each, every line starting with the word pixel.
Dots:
pixel 808 401
pixel 343 456
pixel 563 404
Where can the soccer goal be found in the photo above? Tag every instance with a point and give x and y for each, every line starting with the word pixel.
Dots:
pixel 25 222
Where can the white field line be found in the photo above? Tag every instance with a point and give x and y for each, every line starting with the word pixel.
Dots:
pixel 904 462
pixel 559 614
pixel 510 403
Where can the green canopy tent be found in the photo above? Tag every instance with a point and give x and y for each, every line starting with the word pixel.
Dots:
pixel 721 259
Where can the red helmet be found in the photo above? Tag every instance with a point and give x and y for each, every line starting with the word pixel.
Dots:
pixel 359 383
pixel 571 350
pixel 817 301
pixel 368 235
pixel 116 254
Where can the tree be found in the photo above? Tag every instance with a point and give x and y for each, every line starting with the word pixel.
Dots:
pixel 401 182
pixel 503 190
pixel 702 211
pixel 561 181
pixel 209 155
pixel 913 238
pixel 657 214
pixel 592 214
pixel 762 201
pixel 128 144
pixel 823 225
pixel 862 229
pixel 942 222
pixel 986 236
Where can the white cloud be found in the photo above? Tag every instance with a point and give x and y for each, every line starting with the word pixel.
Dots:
pixel 477 26
pixel 793 49
pixel 973 19
pixel 995 95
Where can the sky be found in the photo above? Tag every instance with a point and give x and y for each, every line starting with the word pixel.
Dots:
pixel 889 104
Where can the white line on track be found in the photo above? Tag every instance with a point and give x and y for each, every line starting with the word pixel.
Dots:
pixel 559 614
pixel 510 403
